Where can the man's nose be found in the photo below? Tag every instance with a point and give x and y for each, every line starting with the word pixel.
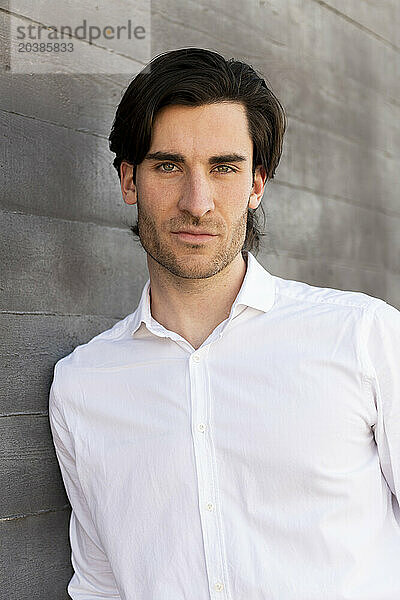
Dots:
pixel 196 196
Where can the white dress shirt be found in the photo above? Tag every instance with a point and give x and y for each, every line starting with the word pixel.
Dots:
pixel 265 465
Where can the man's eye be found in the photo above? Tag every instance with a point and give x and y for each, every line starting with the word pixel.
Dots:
pixel 225 167
pixel 161 167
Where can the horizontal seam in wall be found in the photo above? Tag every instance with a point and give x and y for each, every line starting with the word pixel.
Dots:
pixel 12 211
pixel 386 155
pixel 384 211
pixel 331 263
pixel 55 124
pixel 25 414
pixel 56 314
pixel 35 513
pixel 358 25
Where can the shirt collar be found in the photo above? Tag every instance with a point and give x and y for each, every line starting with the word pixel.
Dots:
pixel 257 290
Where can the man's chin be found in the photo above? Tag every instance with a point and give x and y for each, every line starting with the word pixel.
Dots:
pixel 192 266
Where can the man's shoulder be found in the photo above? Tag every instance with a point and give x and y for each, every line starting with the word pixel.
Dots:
pixel 100 350
pixel 304 293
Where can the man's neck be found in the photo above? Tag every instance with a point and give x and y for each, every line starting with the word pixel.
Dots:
pixel 194 307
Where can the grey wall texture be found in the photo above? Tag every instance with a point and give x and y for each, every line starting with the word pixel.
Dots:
pixel 70 268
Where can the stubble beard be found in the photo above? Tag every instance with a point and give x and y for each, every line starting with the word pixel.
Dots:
pixel 180 263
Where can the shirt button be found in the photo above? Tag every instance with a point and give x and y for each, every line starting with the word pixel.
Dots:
pixel 210 506
pixel 196 358
pixel 219 586
pixel 201 427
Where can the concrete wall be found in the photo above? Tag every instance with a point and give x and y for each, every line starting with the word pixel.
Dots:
pixel 70 269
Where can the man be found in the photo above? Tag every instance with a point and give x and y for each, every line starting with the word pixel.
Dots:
pixel 238 436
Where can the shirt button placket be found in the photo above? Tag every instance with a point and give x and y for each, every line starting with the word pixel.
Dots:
pixel 204 468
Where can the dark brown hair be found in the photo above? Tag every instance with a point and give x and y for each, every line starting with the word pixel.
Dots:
pixel 194 77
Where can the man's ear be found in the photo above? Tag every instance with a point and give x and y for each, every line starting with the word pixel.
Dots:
pixel 128 188
pixel 260 177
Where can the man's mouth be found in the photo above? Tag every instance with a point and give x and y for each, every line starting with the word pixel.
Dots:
pixel 193 237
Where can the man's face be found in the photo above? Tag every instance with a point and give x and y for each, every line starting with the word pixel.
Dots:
pixel 196 176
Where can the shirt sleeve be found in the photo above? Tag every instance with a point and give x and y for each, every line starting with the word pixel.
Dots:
pixel 383 355
pixel 93 577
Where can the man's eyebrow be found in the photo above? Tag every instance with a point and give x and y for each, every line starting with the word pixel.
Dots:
pixel 179 158
pixel 222 158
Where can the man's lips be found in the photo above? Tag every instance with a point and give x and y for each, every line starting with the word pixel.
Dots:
pixel 194 237
pixel 194 232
